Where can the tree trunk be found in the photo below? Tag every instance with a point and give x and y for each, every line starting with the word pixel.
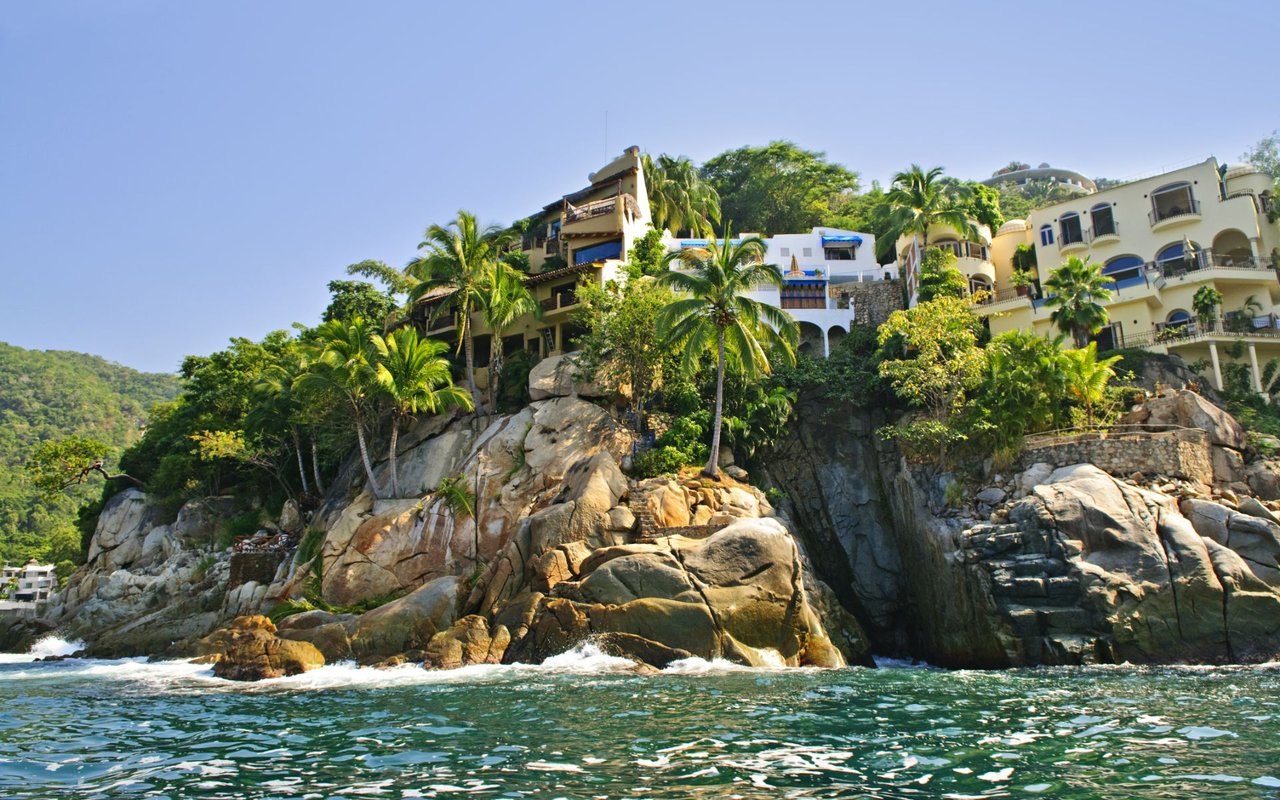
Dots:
pixel 297 449
pixel 364 456
pixel 469 347
pixel 315 466
pixel 495 370
pixel 713 463
pixel 391 453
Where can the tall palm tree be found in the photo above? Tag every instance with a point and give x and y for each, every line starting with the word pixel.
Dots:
pixel 715 313
pixel 413 375
pixel 1078 289
pixel 278 405
pixel 459 256
pixel 504 300
pixel 340 362
pixel 679 199
pixel 919 200
pixel 1087 377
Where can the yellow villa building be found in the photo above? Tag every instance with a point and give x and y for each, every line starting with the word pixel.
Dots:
pixel 1159 240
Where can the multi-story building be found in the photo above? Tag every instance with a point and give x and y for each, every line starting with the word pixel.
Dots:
pixel 1068 179
pixel 1159 240
pixel 27 586
pixel 582 236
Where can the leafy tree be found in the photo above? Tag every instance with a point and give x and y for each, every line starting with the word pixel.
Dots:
pixel 1024 389
pixel 849 375
pixel 1205 303
pixel 984 204
pixel 340 362
pixel 645 257
pixel 1018 200
pixel 717 313
pixel 1077 291
pixel 618 346
pixel 939 276
pixel 504 299
pixel 679 199
pixel 1087 377
pixel 459 257
pixel 58 464
pixel 777 188
pixel 414 377
pixel 919 200
pixel 1265 156
pixel 353 299
pixel 940 363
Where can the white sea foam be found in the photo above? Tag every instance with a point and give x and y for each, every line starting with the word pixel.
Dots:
pixel 44 647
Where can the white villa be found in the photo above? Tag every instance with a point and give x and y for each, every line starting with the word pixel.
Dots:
pixel 27 586
pixel 820 270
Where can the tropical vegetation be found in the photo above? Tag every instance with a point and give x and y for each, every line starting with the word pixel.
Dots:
pixel 1077 293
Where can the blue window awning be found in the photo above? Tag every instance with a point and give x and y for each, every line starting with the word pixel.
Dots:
pixel 827 241
pixel 597 252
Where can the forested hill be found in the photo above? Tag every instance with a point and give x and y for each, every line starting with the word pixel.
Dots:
pixel 50 394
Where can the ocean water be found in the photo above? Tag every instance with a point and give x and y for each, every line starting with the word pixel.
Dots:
pixel 583 726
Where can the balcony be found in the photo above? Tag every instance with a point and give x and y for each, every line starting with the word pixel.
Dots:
pixel 1266 326
pixel 599 217
pixel 964 249
pixel 1104 232
pixel 559 302
pixel 1071 240
pixel 1168 213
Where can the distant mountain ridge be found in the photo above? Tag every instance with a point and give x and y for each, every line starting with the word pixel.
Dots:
pixel 50 394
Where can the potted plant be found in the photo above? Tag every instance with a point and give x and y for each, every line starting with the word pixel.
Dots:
pixel 1205 304
pixel 1022 282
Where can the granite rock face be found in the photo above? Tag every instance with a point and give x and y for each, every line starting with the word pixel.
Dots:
pixel 249 650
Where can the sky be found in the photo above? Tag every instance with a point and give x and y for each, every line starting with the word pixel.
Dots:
pixel 176 174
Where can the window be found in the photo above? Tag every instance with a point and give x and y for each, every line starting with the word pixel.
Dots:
pixel 1071 231
pixel 1046 235
pixel 786 251
pixel 1104 221
pixel 808 252
pixel 837 254
pixel 1123 268
pixel 1174 200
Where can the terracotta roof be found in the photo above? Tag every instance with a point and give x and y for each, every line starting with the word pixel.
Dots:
pixel 544 277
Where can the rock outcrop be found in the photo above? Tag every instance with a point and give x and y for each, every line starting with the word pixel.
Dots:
pixel 249 650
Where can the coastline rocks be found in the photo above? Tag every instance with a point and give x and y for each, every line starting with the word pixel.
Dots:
pixel 737 595
pixel 554 377
pixel 249 650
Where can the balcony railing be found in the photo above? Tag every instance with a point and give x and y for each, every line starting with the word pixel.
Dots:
pixel 1229 325
pixel 1070 237
pixel 558 301
pixel 990 298
pixel 1189 207
pixel 1111 228
pixel 600 208
pixel 963 249
pixel 1208 260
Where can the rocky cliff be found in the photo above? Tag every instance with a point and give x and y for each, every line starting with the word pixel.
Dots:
pixel 1059 562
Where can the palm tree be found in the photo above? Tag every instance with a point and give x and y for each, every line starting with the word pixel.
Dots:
pixel 412 374
pixel 678 197
pixel 1077 291
pixel 459 256
pixel 340 363
pixel 919 200
pixel 504 299
pixel 716 313
pixel 279 405
pixel 1087 377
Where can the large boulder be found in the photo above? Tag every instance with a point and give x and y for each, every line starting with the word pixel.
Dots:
pixel 555 376
pixel 249 650
pixel 738 594
pixel 408 623
pixel 1188 409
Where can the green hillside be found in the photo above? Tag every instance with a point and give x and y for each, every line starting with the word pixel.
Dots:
pixel 50 394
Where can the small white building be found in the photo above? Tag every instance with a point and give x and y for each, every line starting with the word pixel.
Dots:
pixel 27 586
pixel 819 270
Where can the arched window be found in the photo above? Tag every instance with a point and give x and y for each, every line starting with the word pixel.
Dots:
pixel 1179 316
pixel 1104 220
pixel 1173 200
pixel 1172 252
pixel 1123 268
pixel 1046 235
pixel 1069 229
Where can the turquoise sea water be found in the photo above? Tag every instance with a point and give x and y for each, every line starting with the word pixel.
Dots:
pixel 583 727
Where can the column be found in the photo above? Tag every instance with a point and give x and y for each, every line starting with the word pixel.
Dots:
pixel 1253 245
pixel 826 344
pixel 1217 367
pixel 1253 363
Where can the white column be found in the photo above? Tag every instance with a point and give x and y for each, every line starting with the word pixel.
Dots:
pixel 1253 362
pixel 1217 368
pixel 826 344
pixel 1253 245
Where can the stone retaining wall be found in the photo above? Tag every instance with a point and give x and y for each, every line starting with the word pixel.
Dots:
pixel 1181 454
pixel 258 568
pixel 872 303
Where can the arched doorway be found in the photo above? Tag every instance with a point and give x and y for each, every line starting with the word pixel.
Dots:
pixel 812 340
pixel 1231 248
pixel 835 334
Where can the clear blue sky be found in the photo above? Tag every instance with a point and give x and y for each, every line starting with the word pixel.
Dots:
pixel 174 174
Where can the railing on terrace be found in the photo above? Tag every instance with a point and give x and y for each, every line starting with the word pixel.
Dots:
pixel 989 298
pixel 1137 432
pixel 1107 229
pixel 1071 236
pixel 600 208
pixel 532 241
pixel 1157 215
pixel 1267 326
pixel 1206 260
pixel 558 301
pixel 963 249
